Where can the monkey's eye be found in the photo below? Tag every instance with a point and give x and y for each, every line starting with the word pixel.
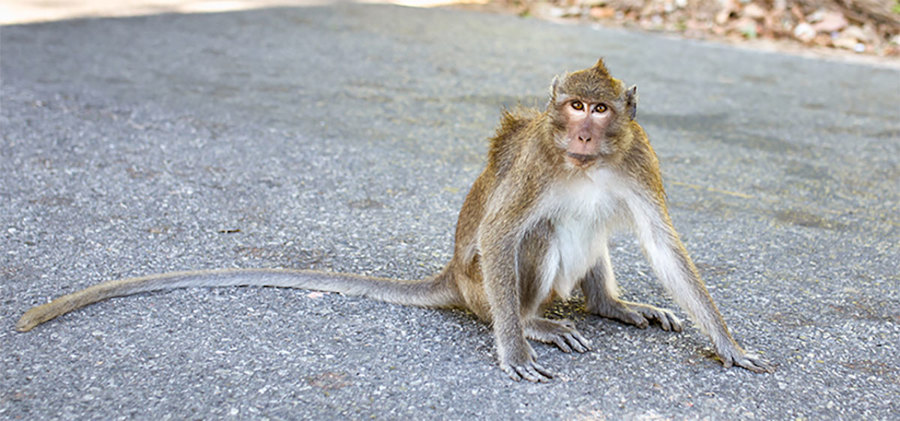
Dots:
pixel 578 105
pixel 600 108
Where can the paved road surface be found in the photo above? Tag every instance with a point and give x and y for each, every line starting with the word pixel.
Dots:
pixel 344 138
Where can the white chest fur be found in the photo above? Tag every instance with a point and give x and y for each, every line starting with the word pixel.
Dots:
pixel 582 211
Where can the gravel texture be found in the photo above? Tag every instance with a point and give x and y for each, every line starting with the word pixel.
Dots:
pixel 345 137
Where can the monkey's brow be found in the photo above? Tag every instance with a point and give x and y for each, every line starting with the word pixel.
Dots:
pixel 565 98
pixel 562 98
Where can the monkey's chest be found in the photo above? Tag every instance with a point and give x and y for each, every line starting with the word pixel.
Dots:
pixel 574 245
pixel 579 225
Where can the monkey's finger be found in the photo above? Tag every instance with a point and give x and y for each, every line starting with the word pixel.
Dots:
pixel 531 374
pixel 512 373
pixel 547 374
pixel 527 373
pixel 755 364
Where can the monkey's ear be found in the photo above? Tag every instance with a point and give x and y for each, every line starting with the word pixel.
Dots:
pixel 553 87
pixel 631 100
pixel 553 90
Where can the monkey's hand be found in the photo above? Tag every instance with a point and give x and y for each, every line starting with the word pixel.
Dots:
pixel 734 355
pixel 519 363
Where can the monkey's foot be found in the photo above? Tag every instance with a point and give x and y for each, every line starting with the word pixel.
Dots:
pixel 561 333
pixel 734 355
pixel 519 363
pixel 638 314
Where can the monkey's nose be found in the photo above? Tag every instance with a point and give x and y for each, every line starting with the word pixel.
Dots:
pixel 584 139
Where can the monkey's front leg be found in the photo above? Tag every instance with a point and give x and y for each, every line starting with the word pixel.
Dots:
pixel 601 298
pixel 517 357
pixel 676 271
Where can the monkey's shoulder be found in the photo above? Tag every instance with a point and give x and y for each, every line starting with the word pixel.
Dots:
pixel 514 120
pixel 514 124
pixel 641 162
pixel 639 150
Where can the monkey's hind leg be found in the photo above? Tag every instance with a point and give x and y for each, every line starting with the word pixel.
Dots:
pixel 600 293
pixel 637 314
pixel 561 333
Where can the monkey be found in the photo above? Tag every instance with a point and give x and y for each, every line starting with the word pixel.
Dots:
pixel 534 226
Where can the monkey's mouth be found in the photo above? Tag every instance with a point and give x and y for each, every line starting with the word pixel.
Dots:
pixel 581 160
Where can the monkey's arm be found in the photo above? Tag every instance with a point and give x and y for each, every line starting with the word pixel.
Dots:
pixel 499 235
pixel 517 358
pixel 675 270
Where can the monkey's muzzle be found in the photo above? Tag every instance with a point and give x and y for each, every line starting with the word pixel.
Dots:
pixel 581 160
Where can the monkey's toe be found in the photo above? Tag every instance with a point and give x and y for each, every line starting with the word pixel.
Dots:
pixel 561 333
pixel 666 319
pixel 641 315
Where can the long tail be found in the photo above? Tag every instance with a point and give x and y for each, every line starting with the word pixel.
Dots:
pixel 438 291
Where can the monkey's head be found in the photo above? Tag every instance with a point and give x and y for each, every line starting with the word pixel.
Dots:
pixel 591 113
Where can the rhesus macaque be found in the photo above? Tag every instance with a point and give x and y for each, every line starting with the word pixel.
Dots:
pixel 534 226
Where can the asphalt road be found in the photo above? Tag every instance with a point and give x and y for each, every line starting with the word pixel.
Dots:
pixel 345 138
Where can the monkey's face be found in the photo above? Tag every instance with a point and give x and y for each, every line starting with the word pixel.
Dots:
pixel 591 113
pixel 585 127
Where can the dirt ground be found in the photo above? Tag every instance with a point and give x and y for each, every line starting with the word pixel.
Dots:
pixel 847 30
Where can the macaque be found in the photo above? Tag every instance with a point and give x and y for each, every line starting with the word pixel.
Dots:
pixel 534 226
